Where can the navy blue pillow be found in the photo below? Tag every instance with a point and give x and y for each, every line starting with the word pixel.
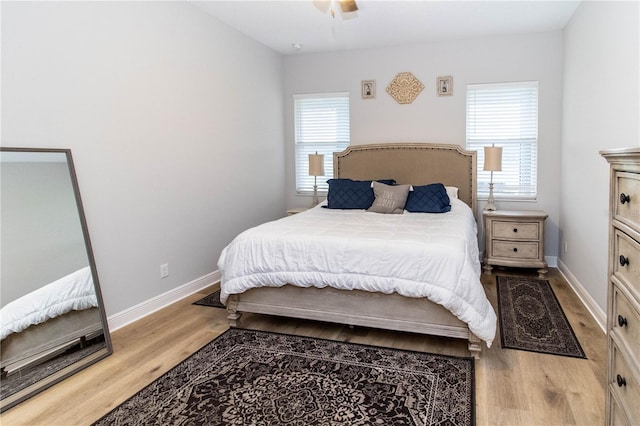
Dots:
pixel 431 198
pixel 352 194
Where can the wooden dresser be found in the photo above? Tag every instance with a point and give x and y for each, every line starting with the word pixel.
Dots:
pixel 623 304
pixel 515 238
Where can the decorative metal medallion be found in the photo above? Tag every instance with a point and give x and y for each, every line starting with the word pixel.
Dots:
pixel 404 88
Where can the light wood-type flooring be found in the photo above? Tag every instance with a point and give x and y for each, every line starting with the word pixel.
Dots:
pixel 512 387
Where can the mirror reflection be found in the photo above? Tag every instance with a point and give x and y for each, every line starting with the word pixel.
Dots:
pixel 51 319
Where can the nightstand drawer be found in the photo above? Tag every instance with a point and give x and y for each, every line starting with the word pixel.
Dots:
pixel 515 249
pixel 515 230
pixel 623 383
pixel 627 260
pixel 627 198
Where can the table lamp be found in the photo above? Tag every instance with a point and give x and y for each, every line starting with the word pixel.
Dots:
pixel 492 163
pixel 316 168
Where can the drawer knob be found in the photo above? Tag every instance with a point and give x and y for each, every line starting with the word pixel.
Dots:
pixel 515 249
pixel 624 198
pixel 621 381
pixel 622 321
pixel 515 229
pixel 624 260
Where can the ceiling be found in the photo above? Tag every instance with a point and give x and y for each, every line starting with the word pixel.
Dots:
pixel 280 24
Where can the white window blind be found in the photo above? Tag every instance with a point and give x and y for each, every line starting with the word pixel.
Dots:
pixel 321 125
pixel 506 115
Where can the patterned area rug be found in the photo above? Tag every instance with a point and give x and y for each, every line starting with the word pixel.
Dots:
pixel 247 377
pixel 531 318
pixel 212 300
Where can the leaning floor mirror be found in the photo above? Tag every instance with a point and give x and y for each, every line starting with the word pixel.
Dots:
pixel 52 320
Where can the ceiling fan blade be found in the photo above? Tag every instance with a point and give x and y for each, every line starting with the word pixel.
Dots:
pixel 322 5
pixel 348 5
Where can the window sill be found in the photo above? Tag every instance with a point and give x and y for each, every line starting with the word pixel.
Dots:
pixel 310 193
pixel 508 200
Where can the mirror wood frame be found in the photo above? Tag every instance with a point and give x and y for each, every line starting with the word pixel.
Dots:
pixel 41 385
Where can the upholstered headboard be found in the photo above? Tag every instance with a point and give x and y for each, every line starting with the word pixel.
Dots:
pixel 411 163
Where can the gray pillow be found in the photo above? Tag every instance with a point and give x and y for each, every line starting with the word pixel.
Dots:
pixel 389 199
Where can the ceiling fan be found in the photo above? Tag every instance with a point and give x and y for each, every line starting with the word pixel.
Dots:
pixel 330 6
pixel 348 5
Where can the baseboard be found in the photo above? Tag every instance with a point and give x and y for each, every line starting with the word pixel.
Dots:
pixel 150 306
pixel 589 302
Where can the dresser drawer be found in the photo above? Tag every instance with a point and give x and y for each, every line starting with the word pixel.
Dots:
pixel 515 230
pixel 627 187
pixel 626 258
pixel 616 415
pixel 623 383
pixel 625 322
pixel 515 249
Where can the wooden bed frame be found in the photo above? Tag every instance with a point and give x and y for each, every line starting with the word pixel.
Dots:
pixel 414 163
pixel 43 341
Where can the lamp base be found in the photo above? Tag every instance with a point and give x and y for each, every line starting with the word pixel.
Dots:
pixel 491 206
pixel 315 200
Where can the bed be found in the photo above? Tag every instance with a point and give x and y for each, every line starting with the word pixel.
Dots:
pixel 317 282
pixel 48 320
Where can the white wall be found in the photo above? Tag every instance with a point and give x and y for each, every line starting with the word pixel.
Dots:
pixel 175 125
pixel 601 111
pixel 438 119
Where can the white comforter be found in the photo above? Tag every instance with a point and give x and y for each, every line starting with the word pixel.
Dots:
pixel 72 292
pixel 413 254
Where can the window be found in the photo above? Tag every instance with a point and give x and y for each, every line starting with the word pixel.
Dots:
pixel 321 124
pixel 505 114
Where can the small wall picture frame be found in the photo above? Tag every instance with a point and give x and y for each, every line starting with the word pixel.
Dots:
pixel 368 89
pixel 445 85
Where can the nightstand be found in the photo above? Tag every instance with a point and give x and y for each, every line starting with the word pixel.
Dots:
pixel 297 210
pixel 516 239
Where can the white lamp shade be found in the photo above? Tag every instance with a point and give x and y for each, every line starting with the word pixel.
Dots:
pixel 493 158
pixel 316 164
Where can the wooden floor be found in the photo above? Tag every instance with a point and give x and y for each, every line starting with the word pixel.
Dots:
pixel 512 387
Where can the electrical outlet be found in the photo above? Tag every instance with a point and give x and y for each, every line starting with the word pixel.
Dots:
pixel 164 270
pixel 566 247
